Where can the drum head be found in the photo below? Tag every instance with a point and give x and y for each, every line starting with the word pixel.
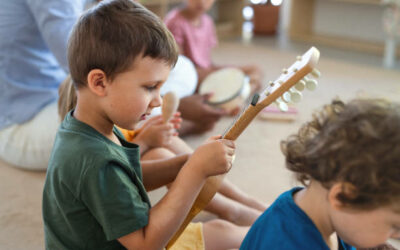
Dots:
pixel 225 84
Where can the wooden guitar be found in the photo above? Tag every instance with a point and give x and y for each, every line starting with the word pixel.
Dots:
pixel 281 91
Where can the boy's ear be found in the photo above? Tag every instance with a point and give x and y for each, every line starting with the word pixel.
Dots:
pixel 97 82
pixel 340 189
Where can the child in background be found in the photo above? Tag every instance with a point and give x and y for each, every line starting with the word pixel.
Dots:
pixel 348 158
pixel 160 147
pixel 119 55
pixel 194 31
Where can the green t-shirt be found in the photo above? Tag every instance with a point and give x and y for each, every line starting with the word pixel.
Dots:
pixel 93 192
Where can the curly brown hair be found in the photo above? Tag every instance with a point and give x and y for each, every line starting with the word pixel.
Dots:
pixel 357 143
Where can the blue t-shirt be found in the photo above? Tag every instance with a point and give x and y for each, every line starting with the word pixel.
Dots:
pixel 33 55
pixel 285 226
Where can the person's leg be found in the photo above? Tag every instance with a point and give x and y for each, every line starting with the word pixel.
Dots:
pixel 231 191
pixel 153 176
pixel 230 203
pixel 179 146
pixel 29 145
pixel 220 234
pixel 157 154
pixel 231 210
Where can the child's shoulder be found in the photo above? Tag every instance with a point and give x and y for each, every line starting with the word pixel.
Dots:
pixel 79 144
pixel 283 226
pixel 82 160
pixel 77 137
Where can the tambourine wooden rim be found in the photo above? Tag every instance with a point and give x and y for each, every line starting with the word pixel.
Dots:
pixel 242 85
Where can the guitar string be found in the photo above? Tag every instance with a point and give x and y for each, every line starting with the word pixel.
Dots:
pixel 244 107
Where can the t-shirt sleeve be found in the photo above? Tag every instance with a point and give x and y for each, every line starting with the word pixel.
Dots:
pixel 115 201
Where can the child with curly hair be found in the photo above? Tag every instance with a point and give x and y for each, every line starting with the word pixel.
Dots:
pixel 348 159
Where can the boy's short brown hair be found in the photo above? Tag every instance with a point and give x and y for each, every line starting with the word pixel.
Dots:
pixel 112 35
pixel 357 143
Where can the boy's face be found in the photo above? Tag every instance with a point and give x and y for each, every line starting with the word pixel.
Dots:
pixel 366 229
pixel 134 93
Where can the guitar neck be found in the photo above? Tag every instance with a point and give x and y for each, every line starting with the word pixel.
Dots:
pixel 274 92
pixel 242 122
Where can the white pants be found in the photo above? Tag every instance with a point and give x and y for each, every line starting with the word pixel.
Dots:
pixel 29 145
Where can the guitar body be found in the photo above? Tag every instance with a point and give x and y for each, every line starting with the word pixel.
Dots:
pixel 273 92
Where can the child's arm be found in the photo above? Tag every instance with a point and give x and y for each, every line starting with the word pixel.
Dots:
pixel 212 158
pixel 158 173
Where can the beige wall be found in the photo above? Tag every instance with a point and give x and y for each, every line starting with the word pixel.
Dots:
pixel 335 18
pixel 359 21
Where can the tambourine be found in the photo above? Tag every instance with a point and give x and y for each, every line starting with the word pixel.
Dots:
pixel 230 88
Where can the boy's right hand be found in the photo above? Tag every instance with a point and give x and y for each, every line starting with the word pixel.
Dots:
pixel 214 156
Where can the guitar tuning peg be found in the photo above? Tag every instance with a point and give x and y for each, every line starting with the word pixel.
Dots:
pixel 315 72
pixel 286 97
pixel 281 105
pixel 311 84
pixel 284 71
pixel 300 85
pixel 298 58
pixel 295 96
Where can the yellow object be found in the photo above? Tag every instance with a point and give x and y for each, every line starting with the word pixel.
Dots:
pixel 190 239
pixel 128 134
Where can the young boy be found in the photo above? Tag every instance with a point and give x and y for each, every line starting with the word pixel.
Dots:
pixel 160 147
pixel 119 56
pixel 348 158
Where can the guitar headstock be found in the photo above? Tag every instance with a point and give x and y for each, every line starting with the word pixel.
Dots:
pixel 286 88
